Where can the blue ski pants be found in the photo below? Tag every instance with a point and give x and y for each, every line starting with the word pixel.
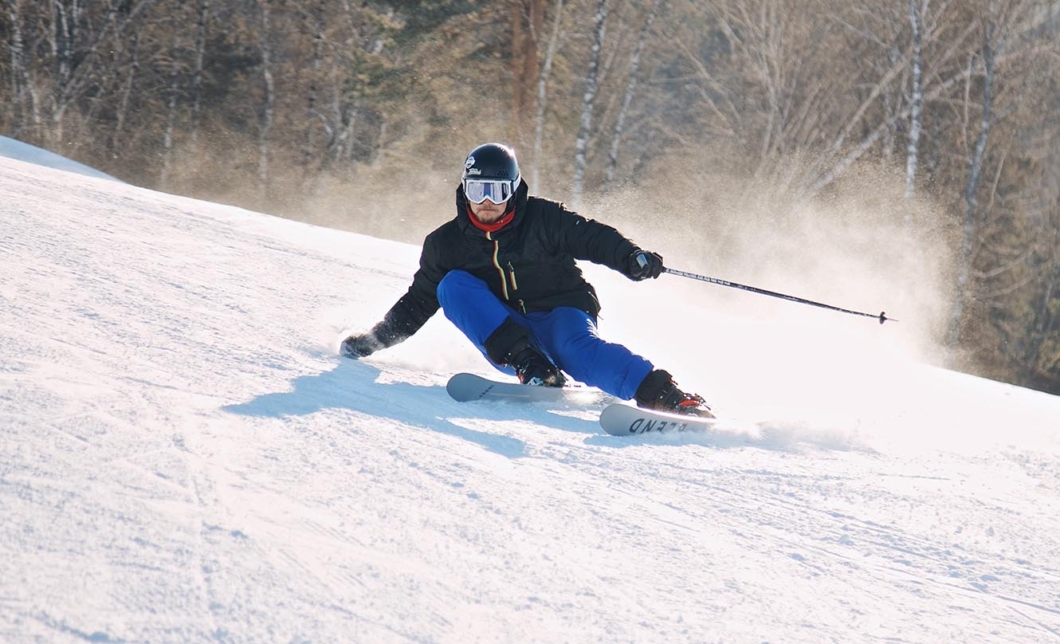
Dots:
pixel 568 336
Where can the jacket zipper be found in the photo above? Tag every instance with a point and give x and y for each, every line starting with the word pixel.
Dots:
pixel 511 270
pixel 515 287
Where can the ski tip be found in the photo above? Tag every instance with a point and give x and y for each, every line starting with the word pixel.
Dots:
pixel 624 420
pixel 461 387
pixel 455 394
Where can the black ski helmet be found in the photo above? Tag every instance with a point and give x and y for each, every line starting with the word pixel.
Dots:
pixel 492 161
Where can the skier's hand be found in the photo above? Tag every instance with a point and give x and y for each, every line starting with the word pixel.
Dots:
pixel 643 264
pixel 359 346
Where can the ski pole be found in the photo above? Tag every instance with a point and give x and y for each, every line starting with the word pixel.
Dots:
pixel 791 298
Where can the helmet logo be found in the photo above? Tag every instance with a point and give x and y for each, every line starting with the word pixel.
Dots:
pixel 469 166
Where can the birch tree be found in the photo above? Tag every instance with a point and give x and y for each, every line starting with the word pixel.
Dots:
pixel 201 22
pixel 588 102
pixel 268 101
pixel 527 24
pixel 171 114
pixel 132 68
pixel 23 92
pixel 975 171
pixel 313 22
pixel 1009 33
pixel 627 98
pixel 542 92
pixel 917 9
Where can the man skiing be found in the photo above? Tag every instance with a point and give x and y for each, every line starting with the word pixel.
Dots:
pixel 503 271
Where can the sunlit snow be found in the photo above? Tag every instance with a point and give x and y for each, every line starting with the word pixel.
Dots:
pixel 184 457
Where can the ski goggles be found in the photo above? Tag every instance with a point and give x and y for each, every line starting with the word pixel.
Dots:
pixel 479 190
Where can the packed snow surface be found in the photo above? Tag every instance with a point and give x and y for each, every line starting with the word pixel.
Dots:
pixel 14 149
pixel 184 457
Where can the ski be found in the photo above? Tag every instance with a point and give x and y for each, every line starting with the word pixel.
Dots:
pixel 466 387
pixel 616 419
pixel 625 420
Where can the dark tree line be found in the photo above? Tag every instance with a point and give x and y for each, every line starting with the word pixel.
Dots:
pixel 937 117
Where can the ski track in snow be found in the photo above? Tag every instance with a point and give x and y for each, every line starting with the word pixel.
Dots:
pixel 183 457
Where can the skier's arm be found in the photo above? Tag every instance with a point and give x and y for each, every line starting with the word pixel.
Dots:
pixel 403 319
pixel 599 243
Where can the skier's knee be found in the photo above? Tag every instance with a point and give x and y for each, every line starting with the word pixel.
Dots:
pixel 456 282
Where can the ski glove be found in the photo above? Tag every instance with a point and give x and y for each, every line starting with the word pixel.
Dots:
pixel 360 346
pixel 643 264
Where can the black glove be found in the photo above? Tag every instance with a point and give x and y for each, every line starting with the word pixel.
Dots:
pixel 643 264
pixel 360 346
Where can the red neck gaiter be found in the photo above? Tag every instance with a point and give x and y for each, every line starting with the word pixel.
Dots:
pixel 495 226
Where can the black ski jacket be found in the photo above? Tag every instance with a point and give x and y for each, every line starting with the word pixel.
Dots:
pixel 528 264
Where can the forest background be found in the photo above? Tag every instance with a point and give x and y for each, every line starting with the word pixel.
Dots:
pixel 819 146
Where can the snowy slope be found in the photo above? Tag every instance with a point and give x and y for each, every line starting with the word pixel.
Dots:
pixel 14 149
pixel 183 457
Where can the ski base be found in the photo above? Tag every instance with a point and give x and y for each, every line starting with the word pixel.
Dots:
pixel 625 420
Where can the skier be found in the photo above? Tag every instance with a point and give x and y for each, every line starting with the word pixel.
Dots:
pixel 503 271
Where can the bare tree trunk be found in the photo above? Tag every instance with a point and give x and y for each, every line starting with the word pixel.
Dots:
pixel 588 103
pixel 1043 328
pixel 770 32
pixel 933 156
pixel 126 92
pixel 892 102
pixel 196 72
pixel 315 29
pixel 917 9
pixel 631 87
pixel 345 116
pixel 975 170
pixel 21 86
pixel 542 95
pixel 18 74
pixel 65 26
pixel 346 121
pixel 377 159
pixel 61 44
pixel 348 134
pixel 67 19
pixel 518 37
pixel 527 21
pixel 171 121
pixel 268 105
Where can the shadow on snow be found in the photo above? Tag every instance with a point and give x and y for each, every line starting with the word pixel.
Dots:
pixel 352 386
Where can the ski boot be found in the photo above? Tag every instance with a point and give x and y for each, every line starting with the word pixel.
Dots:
pixel 532 367
pixel 658 391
